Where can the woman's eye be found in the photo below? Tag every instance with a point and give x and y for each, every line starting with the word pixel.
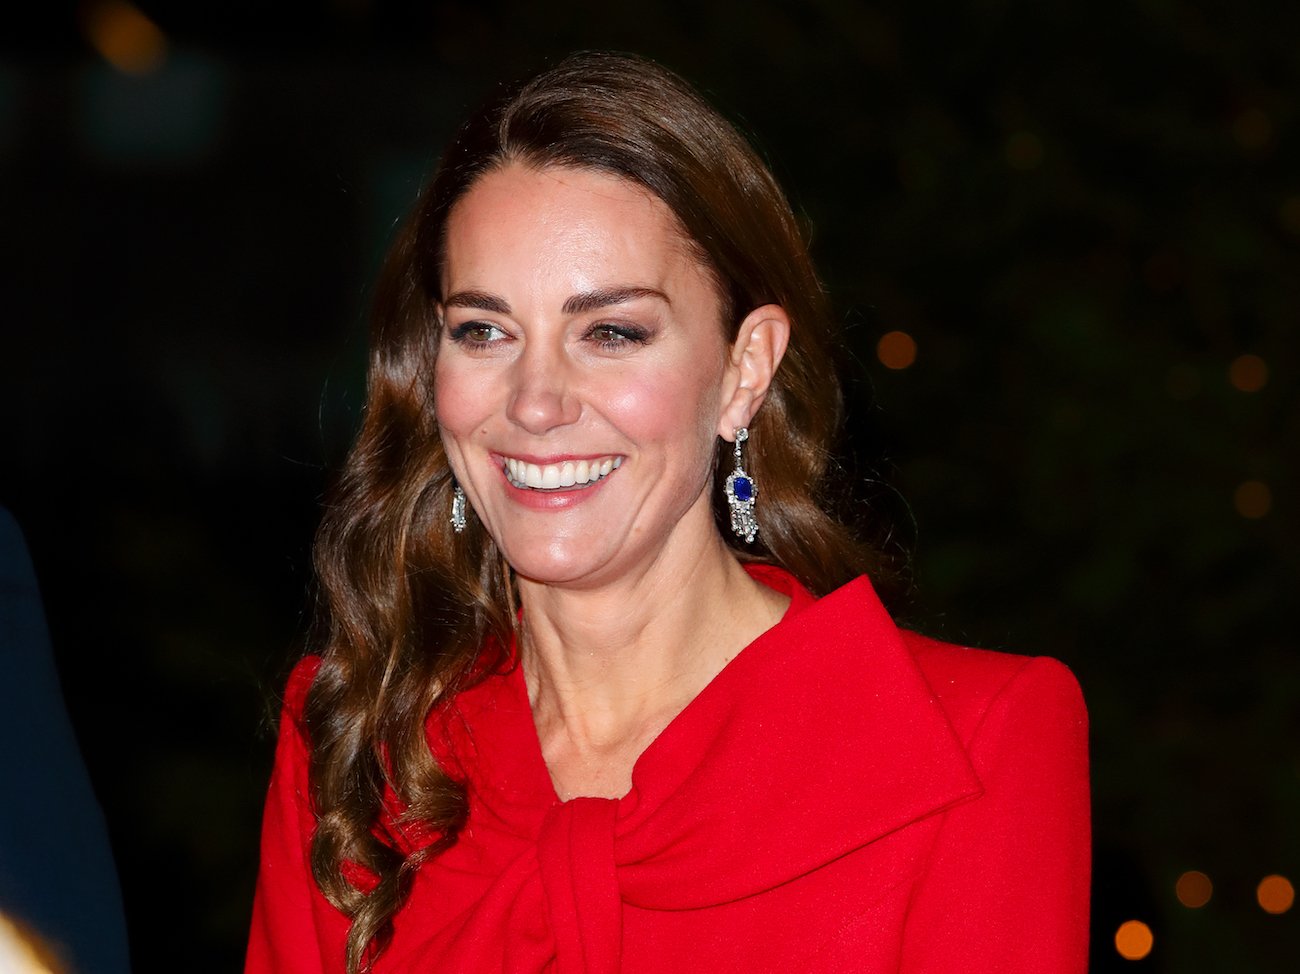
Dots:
pixel 613 337
pixel 476 333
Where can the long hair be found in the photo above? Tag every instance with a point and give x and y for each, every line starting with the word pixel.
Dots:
pixel 412 612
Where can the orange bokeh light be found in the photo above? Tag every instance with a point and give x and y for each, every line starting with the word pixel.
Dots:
pixel 124 36
pixel 23 952
pixel 896 350
pixel 1248 373
pixel 1275 894
pixel 1253 499
pixel 1193 889
pixel 1134 940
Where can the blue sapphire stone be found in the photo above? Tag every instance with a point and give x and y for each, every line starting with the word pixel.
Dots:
pixel 742 488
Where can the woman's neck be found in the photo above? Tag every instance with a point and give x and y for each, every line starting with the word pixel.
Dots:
pixel 608 669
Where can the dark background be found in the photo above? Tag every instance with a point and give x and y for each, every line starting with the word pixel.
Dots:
pixel 1083 213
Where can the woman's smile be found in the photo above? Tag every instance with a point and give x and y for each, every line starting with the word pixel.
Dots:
pixel 569 474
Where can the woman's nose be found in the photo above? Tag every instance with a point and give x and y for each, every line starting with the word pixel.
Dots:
pixel 543 396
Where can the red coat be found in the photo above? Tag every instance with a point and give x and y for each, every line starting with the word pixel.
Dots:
pixel 844 796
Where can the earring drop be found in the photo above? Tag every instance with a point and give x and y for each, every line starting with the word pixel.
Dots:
pixel 457 509
pixel 741 493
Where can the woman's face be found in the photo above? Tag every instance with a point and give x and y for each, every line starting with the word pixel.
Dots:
pixel 581 376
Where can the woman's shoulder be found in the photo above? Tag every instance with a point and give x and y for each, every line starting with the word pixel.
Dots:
pixel 970 683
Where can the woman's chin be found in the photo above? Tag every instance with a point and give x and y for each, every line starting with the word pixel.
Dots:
pixel 570 562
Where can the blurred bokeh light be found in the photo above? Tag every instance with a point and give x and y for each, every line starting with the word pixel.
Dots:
pixel 896 350
pixel 1275 894
pixel 1193 889
pixel 1134 940
pixel 124 36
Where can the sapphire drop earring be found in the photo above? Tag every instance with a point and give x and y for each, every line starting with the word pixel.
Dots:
pixel 741 493
pixel 457 509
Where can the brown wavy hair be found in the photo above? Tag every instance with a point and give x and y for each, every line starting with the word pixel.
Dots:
pixel 412 613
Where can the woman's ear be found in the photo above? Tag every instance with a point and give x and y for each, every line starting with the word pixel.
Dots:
pixel 755 355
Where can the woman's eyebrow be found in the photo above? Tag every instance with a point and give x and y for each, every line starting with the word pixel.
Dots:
pixel 479 300
pixel 604 297
pixel 575 305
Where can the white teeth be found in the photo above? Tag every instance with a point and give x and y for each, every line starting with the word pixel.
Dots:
pixel 552 476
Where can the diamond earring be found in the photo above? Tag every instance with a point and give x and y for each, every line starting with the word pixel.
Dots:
pixel 457 509
pixel 741 493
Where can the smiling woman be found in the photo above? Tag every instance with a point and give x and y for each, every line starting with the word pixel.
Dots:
pixel 601 685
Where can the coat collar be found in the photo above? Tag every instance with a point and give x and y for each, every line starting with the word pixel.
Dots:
pixel 820 737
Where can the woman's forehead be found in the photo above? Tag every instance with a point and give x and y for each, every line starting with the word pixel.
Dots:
pixel 555 197
pixel 564 225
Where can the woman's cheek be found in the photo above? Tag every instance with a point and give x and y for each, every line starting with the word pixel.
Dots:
pixel 673 400
pixel 459 400
pixel 650 407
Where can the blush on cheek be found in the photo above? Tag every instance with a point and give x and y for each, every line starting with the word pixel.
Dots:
pixel 657 407
pixel 458 403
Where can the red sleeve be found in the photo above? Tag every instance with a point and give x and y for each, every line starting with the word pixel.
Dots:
pixel 1007 887
pixel 295 930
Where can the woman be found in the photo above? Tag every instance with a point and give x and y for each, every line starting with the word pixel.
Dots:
pixel 603 687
